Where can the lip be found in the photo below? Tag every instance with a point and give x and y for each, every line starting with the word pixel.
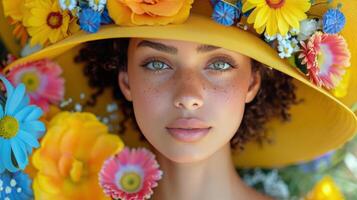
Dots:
pixel 188 129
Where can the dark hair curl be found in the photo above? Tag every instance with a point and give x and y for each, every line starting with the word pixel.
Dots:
pixel 104 59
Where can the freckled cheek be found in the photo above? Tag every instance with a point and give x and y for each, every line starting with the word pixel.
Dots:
pixel 150 103
pixel 229 105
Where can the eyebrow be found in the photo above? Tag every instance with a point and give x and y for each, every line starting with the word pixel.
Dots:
pixel 173 50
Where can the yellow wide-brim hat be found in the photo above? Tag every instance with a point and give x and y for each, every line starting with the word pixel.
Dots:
pixel 319 124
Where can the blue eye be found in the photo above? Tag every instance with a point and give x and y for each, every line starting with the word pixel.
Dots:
pixel 156 65
pixel 220 65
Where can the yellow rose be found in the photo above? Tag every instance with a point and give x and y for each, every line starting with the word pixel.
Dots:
pixel 149 12
pixel 71 155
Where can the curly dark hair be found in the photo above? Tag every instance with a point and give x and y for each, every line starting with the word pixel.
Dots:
pixel 104 59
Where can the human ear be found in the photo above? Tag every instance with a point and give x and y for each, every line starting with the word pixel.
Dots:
pixel 254 85
pixel 123 81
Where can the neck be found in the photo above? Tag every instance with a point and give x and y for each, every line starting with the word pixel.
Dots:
pixel 212 178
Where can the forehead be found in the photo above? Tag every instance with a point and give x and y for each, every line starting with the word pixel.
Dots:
pixel 173 46
pixel 139 46
pixel 176 43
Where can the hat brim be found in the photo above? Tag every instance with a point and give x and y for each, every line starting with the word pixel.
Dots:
pixel 319 124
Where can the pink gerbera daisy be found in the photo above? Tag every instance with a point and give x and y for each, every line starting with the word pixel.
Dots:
pixel 42 79
pixel 326 57
pixel 130 175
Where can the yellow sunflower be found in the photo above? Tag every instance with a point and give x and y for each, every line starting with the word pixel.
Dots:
pixel 276 16
pixel 46 22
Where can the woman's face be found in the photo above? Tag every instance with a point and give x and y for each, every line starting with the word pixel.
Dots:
pixel 188 98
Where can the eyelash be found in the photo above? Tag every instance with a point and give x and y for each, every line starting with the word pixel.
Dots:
pixel 223 59
pixel 151 60
pixel 232 64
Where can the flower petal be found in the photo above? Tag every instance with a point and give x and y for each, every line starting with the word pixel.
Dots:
pixel 262 17
pixel 6 157
pixel 8 86
pixel 33 126
pixel 23 113
pixel 15 99
pixel 20 153
pixel 2 166
pixel 27 138
pixel 1 111
pixel 35 114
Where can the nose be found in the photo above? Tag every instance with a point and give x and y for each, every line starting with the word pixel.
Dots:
pixel 189 92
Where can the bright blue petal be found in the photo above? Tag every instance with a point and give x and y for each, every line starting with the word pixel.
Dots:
pixel 33 126
pixel 23 181
pixel 24 113
pixel 27 147
pixel 15 99
pixel 35 114
pixel 1 111
pixel 6 149
pixel 224 13
pixel 9 88
pixel 2 167
pixel 89 20
pixel 25 102
pixel 333 21
pixel 28 139
pixel 20 153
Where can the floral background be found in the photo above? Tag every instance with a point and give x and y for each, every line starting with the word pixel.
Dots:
pixel 42 156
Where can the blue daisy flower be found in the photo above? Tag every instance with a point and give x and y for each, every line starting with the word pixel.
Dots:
pixel 19 128
pixel 89 20
pixel 15 186
pixel 333 21
pixel 224 13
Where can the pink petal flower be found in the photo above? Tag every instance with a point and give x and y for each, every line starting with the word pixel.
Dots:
pixel 42 79
pixel 130 175
pixel 326 57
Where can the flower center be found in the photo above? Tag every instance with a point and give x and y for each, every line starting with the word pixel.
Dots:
pixel 77 171
pixel 324 59
pixel 9 127
pixel 275 3
pixel 54 20
pixel 130 182
pixel 31 80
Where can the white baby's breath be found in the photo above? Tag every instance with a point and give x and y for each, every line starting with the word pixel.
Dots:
pixel 67 4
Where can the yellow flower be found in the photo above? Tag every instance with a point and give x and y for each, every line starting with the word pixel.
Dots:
pixel 71 155
pixel 46 22
pixel 276 16
pixel 14 10
pixel 149 12
pixel 341 90
pixel 325 189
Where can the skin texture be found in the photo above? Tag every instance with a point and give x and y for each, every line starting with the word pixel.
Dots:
pixel 167 80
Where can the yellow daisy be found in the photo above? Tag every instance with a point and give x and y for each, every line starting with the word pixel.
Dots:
pixel 46 22
pixel 276 16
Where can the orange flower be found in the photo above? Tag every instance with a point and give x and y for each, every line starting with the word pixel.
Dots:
pixel 70 157
pixel 14 11
pixel 149 12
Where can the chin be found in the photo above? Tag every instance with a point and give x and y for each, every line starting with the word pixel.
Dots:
pixel 185 155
